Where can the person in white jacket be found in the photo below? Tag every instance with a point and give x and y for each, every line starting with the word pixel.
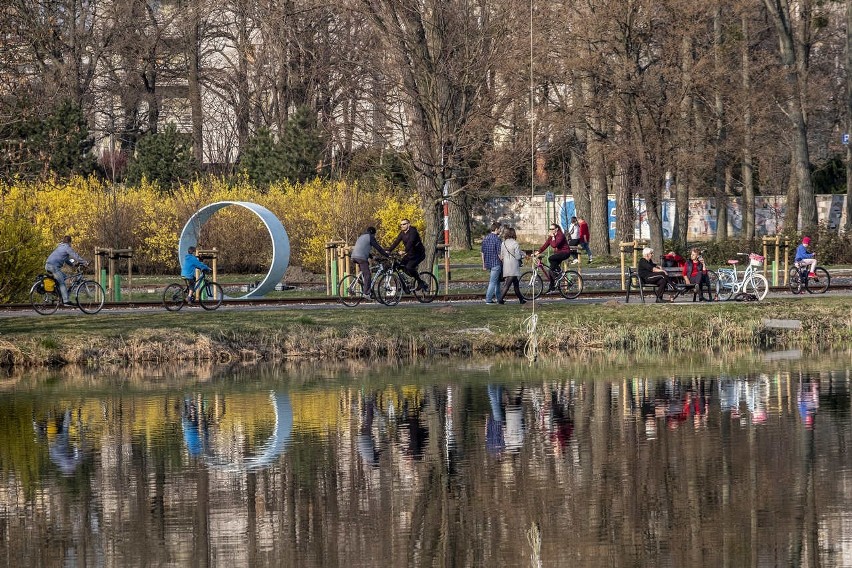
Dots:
pixel 511 255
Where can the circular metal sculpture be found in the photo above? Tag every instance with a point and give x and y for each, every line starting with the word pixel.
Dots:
pixel 280 241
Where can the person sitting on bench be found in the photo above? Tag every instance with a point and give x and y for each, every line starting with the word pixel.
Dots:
pixel 695 274
pixel 651 273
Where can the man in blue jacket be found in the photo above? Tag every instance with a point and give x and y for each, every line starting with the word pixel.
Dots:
pixel 63 254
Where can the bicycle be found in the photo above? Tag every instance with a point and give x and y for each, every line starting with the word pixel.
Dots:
pixel 568 282
pixel 88 295
pixel 799 280
pixel 751 284
pixel 351 291
pixel 209 294
pixel 388 289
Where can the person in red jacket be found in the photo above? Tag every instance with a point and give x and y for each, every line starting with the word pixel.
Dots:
pixel 561 251
pixel 695 272
pixel 584 236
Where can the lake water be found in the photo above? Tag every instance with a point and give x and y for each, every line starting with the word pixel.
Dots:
pixel 602 462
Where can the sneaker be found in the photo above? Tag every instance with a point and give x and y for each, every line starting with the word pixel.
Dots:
pixel 811 275
pixel 575 261
pixel 490 302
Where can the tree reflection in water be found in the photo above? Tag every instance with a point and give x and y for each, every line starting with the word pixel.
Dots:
pixel 677 470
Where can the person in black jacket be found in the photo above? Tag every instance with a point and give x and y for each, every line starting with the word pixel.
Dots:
pixel 650 273
pixel 414 253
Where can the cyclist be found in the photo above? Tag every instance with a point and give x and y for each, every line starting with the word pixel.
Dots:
pixel 63 254
pixel 361 254
pixel 556 240
pixel 415 252
pixel 805 258
pixel 190 263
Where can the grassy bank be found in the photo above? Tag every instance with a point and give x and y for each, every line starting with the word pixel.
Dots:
pixel 282 334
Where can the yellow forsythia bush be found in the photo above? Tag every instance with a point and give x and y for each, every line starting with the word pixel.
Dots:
pixel 101 214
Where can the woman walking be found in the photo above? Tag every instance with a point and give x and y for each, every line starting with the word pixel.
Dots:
pixel 511 255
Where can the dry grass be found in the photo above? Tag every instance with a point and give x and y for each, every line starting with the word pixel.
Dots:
pixel 413 332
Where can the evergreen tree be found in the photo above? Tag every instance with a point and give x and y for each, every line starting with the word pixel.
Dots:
pixel 302 145
pixel 165 157
pixel 262 160
pixel 295 156
pixel 57 143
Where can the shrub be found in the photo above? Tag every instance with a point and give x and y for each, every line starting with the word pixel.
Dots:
pixel 23 250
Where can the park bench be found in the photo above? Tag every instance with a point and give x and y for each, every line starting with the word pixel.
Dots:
pixel 677 285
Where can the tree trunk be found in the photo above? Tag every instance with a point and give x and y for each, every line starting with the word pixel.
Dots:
pixel 682 182
pixel 624 216
pixel 598 199
pixel 720 163
pixel 747 165
pixel 460 238
pixel 194 85
pixel 847 227
pixel 791 213
pixel 795 62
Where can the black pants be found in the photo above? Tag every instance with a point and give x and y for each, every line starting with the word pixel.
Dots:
pixel 410 267
pixel 507 282
pixel 704 283
pixel 661 281
pixel 555 259
pixel 574 243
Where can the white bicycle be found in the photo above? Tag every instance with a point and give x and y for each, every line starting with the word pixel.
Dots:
pixel 753 285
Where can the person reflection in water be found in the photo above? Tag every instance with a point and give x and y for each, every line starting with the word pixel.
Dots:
pixel 807 397
pixel 561 422
pixel 415 432
pixel 195 427
pixel 515 421
pixel 65 453
pixel 495 441
pixel 365 441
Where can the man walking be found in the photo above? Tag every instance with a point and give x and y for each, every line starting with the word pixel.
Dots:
pixel 491 261
pixel 584 236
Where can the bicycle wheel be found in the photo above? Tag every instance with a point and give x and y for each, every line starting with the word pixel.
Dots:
pixel 727 283
pixel 757 285
pixel 174 297
pixel 388 290
pixel 571 284
pixel 44 303
pixel 531 285
pixel 211 296
pixel 820 283
pixel 431 291
pixel 90 297
pixel 794 280
pixel 350 291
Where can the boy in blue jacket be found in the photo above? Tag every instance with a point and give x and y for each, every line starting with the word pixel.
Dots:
pixel 190 264
pixel 805 258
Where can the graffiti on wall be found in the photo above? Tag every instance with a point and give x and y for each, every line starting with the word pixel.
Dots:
pixel 769 214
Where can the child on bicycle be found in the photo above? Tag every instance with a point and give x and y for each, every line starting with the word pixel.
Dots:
pixel 190 264
pixel 805 258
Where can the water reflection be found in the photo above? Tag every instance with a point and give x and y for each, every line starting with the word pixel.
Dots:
pixel 498 464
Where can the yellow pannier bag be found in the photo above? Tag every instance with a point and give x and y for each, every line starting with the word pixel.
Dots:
pixel 49 284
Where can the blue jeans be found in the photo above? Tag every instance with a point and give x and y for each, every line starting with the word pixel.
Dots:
pixel 493 283
pixel 59 276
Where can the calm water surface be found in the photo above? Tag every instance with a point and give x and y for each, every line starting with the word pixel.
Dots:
pixel 448 463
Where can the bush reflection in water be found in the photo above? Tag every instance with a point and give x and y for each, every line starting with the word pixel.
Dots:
pixel 444 463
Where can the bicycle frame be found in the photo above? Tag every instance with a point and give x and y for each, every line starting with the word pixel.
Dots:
pixel 730 283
